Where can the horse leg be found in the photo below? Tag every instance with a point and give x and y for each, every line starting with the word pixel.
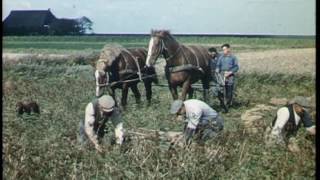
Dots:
pixel 174 92
pixel 190 92
pixel 112 92
pixel 185 88
pixel 148 88
pixel 135 90
pixel 223 104
pixel 124 94
pixel 205 86
pixel 98 91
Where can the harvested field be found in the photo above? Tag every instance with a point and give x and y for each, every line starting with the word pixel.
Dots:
pixel 57 76
pixel 284 61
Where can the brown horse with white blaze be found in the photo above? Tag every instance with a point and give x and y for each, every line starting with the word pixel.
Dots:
pixel 184 64
pixel 124 68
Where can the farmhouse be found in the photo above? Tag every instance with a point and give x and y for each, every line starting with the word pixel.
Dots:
pixel 41 22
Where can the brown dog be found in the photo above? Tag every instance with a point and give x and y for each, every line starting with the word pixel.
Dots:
pixel 27 107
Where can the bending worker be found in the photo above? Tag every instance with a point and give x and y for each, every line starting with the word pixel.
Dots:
pixel 97 113
pixel 200 119
pixel 288 121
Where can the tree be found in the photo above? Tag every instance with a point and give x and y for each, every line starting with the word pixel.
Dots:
pixel 64 27
pixel 84 25
pixel 70 26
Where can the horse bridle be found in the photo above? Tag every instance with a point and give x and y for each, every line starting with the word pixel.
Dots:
pixel 163 47
pixel 106 76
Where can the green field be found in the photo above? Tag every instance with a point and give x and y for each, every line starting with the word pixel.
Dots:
pixel 65 44
pixel 46 147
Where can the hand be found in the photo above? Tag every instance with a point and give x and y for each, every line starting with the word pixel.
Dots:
pixel 188 135
pixel 227 73
pixel 312 130
pixel 98 148
pixel 176 140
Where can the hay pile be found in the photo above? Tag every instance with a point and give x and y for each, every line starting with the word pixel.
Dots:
pixel 252 119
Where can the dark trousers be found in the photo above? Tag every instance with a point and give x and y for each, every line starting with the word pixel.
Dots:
pixel 209 130
pixel 229 93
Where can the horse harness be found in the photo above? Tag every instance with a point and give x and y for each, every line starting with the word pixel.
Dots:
pixel 187 66
pixel 126 70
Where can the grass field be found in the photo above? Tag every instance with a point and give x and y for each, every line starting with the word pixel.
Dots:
pixel 67 44
pixel 46 147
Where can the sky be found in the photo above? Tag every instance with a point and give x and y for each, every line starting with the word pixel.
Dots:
pixel 274 17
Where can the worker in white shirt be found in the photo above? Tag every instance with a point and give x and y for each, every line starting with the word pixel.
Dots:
pixel 200 119
pixel 289 119
pixel 97 113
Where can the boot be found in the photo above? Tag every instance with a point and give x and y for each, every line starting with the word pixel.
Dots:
pixel 223 105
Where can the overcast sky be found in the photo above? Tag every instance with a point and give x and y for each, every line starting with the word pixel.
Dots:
pixel 281 17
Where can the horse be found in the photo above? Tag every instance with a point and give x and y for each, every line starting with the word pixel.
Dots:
pixel 124 68
pixel 184 64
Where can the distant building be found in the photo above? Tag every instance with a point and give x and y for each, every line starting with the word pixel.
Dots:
pixel 40 22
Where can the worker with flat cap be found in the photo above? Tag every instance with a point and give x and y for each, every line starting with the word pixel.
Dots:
pixel 200 119
pixel 288 121
pixel 97 113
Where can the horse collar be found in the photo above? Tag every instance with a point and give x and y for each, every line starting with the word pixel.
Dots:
pixel 174 54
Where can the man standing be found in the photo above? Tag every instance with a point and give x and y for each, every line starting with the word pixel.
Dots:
pixel 200 119
pixel 227 65
pixel 97 113
pixel 288 121
pixel 213 61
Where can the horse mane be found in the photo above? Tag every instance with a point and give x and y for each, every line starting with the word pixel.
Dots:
pixel 110 52
pixel 108 55
pixel 161 33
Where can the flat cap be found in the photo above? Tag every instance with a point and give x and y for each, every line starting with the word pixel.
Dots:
pixel 175 106
pixel 107 103
pixel 303 101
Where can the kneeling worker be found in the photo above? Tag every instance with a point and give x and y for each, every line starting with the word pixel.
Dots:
pixel 288 121
pixel 97 113
pixel 201 119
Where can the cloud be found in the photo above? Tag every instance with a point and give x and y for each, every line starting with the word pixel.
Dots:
pixel 9 5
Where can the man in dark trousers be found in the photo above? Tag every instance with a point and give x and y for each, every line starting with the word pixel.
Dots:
pixel 227 65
